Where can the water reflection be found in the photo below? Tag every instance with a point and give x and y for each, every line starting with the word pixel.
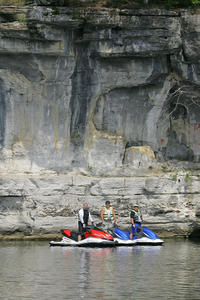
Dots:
pixel 35 271
pixel 94 268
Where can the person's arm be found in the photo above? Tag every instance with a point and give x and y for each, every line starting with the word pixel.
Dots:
pixel 132 218
pixel 90 218
pixel 132 222
pixel 102 212
pixel 114 215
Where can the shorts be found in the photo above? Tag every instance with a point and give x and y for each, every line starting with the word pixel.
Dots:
pixel 81 230
pixel 108 225
pixel 135 229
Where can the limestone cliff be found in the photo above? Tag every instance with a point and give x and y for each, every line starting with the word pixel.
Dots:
pixel 99 104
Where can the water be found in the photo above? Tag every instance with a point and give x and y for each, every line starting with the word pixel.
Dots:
pixel 33 270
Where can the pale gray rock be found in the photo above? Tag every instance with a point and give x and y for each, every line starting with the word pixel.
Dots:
pixel 38 205
pixel 191 36
pixel 96 105
pixel 106 153
pixel 140 156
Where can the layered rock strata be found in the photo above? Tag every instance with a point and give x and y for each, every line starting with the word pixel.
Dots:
pixel 98 104
pixel 40 206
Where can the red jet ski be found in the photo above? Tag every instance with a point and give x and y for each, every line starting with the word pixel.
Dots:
pixel 93 237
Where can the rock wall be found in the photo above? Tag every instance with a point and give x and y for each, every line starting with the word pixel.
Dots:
pixel 98 104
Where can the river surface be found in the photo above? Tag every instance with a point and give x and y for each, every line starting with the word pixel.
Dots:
pixel 32 270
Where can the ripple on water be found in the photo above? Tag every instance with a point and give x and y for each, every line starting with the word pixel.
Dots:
pixel 35 271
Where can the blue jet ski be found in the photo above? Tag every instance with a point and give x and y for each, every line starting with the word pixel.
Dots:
pixel 141 236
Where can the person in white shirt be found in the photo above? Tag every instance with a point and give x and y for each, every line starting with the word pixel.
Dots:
pixel 83 217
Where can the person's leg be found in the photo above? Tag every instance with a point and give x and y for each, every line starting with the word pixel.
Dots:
pixel 132 232
pixel 109 225
pixel 104 225
pixel 80 230
pixel 138 227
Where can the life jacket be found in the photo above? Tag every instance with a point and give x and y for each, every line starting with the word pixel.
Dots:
pixel 137 216
pixel 85 216
pixel 108 214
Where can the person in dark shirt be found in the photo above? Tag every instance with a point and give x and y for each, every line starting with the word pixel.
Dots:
pixel 136 220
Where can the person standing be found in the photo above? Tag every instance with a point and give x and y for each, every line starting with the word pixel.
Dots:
pixel 108 216
pixel 136 220
pixel 83 217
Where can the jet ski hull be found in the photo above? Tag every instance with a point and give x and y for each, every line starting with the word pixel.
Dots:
pixel 88 242
pixel 145 237
pixel 122 238
pixel 150 242
pixel 95 237
pixel 120 242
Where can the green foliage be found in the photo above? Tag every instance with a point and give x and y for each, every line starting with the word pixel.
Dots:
pixel 76 138
pixel 187 177
pixel 182 3
pixel 174 177
pixel 21 18
pixel 90 168
pixel 75 135
pixel 164 168
pixel 55 12
pixel 196 2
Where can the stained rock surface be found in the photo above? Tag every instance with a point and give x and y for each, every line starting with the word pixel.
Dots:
pixel 98 104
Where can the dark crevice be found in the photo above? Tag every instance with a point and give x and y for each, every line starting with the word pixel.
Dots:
pixel 2 114
pixel 123 159
pixel 7 17
pixel 195 234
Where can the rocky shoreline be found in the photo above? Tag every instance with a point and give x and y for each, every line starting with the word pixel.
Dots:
pixel 42 205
